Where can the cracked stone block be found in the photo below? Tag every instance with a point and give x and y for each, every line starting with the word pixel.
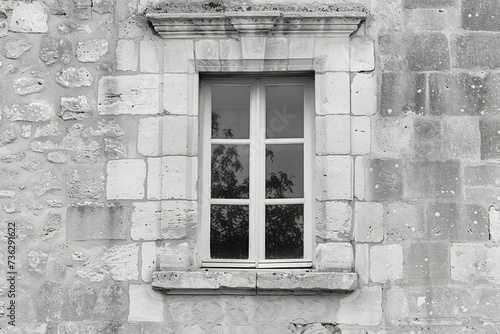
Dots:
pixel 96 221
pixel 75 108
pixel 74 77
pixel 29 17
pixel 91 51
pixel 15 47
pixel 53 50
pixel 25 86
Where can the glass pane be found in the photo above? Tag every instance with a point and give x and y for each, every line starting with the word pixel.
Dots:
pixel 230 168
pixel 285 111
pixel 285 171
pixel 229 231
pixel 285 231
pixel 231 112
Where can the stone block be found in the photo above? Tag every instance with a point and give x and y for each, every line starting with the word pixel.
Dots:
pixel 180 175
pixel 301 47
pixel 333 95
pixel 441 219
pixel 429 179
pixel 471 262
pixel 393 46
pixel 175 256
pixel 384 130
pixel 145 304
pixel 386 263
pixel 429 52
pixel 175 94
pixel 307 282
pixel 482 195
pixel 405 221
pixel 494 224
pixel 433 19
pixel 473 224
pixel 145 221
pixel 92 50
pixel 368 222
pixel 127 55
pixel 125 179
pixel 150 56
pixel 476 51
pixel 111 303
pixel 180 135
pixel 362 54
pixel 178 56
pixel 482 175
pixel 359 178
pixel 276 48
pixel 169 281
pixel 334 257
pixel 206 49
pixel 122 262
pixel 75 108
pixel 96 221
pixel 456 145
pixel 362 307
pixel 490 138
pixel 48 182
pixel 253 47
pixel 429 3
pixel 33 112
pixel 15 47
pixel 148 263
pixel 383 180
pixel 148 136
pixel 29 17
pixel 333 134
pixel 118 95
pixel 74 77
pixel 26 86
pixel 154 178
pixel 428 262
pixel 364 94
pixel 360 135
pixel 333 221
pixel 333 177
pixel 362 262
pixel 480 15
pixel 331 54
pixel 177 218
pixel 427 138
pixel 403 93
pixel 230 49
pixel 90 188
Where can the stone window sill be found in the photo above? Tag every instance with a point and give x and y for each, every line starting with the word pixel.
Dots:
pixel 252 283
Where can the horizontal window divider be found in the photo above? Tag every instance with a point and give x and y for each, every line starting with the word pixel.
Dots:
pixel 230 201
pixel 284 141
pixel 278 201
pixel 231 141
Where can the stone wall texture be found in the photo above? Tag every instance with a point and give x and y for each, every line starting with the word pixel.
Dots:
pixel 99 171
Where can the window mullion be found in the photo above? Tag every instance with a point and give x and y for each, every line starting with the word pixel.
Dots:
pixel 262 169
pixel 254 173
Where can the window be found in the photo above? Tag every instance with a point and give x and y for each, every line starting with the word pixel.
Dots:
pixel 256 171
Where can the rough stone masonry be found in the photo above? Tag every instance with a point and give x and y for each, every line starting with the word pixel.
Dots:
pixel 98 170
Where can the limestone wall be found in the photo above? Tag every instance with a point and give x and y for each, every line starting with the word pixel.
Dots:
pixel 96 108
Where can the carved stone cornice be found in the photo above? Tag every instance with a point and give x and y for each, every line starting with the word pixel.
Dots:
pixel 255 23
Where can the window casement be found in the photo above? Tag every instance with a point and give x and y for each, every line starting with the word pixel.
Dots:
pixel 256 170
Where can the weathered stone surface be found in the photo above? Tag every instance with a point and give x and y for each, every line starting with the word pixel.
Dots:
pixel 126 179
pixel 83 9
pixel 103 6
pixel 9 69
pixel 334 257
pixel 25 86
pixel 75 108
pixel 476 51
pixel 175 256
pixel 7 194
pixel 50 301
pixel 39 73
pixel 33 112
pixel 37 261
pixel 482 175
pixel 305 282
pixel 403 94
pixel 333 221
pixel 494 224
pixel 428 262
pixel 122 262
pixel 50 130
pixel 426 179
pixel 68 28
pixel 119 95
pixel 26 130
pixel 57 157
pixel 111 303
pixel 91 51
pixel 362 307
pixel 52 226
pixel 91 221
pixel 176 218
pixel 169 281
pixel 386 263
pixel 31 165
pixel 364 94
pixel 145 304
pixel 14 157
pixel 115 149
pixel 480 15
pixel 30 17
pixel 145 221
pixel 47 183
pixel 433 19
pixel 475 261
pixel 429 52
pixel 333 177
pixel 428 3
pixel 59 7
pixel 85 189
pixel 105 128
pixel 53 50
pixel 384 180
pixel 127 55
pixel 490 138
pixel 15 47
pixel 73 77
pixel 7 137
pixel 368 222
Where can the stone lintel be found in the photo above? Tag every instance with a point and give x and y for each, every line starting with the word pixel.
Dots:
pixel 255 23
pixel 251 282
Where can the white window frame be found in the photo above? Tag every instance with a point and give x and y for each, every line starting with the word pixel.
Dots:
pixel 257 143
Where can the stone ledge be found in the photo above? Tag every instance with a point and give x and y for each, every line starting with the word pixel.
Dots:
pixel 251 282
